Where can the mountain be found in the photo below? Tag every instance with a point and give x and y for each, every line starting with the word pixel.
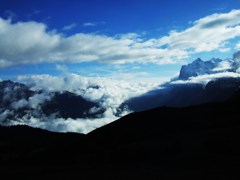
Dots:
pixel 199 67
pixel 197 142
pixel 213 66
pixel 69 105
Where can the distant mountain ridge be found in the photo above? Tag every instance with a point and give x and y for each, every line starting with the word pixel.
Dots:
pixel 220 80
pixel 213 66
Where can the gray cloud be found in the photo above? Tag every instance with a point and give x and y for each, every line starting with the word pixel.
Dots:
pixel 215 23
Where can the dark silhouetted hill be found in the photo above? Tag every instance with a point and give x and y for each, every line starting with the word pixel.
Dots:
pixel 196 142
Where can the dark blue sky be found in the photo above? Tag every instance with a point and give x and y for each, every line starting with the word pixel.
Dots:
pixel 118 16
pixel 147 19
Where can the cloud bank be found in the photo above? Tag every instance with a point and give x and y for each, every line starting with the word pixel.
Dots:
pixel 32 42
pixel 106 93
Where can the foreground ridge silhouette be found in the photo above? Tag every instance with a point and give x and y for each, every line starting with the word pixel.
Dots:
pixel 196 142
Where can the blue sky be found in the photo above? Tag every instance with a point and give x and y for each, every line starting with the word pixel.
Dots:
pixel 117 39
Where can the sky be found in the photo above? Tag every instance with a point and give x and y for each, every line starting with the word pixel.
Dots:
pixel 127 40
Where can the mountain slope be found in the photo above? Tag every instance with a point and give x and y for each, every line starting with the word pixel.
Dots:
pixel 200 139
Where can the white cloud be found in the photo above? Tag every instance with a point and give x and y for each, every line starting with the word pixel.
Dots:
pixel 31 42
pixel 109 92
pixel 223 66
pixel 25 43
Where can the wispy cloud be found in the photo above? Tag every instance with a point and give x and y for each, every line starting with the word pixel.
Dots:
pixel 69 27
pixel 89 24
pixel 62 68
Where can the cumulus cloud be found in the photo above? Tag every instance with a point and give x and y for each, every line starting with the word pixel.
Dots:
pixel 25 42
pixel 32 42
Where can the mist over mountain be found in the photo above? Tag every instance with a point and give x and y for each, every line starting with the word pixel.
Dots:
pixel 21 105
pixel 198 82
